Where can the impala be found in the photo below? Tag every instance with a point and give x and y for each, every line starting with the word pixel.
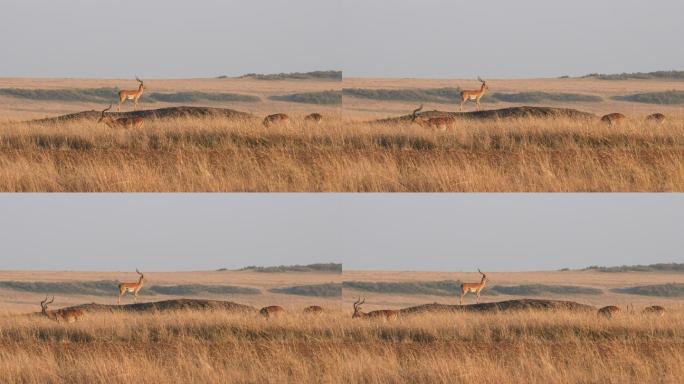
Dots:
pixel 122 122
pixel 441 123
pixel 276 118
pixel 384 314
pixel 474 287
pixel 609 311
pixel 654 310
pixel 613 118
pixel 656 118
pixel 313 310
pixel 68 315
pixel 474 94
pixel 132 287
pixel 314 117
pixel 272 311
pixel 131 95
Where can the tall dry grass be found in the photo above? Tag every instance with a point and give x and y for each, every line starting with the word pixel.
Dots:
pixel 194 347
pixel 343 155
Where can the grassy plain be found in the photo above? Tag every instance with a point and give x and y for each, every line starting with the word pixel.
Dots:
pixel 345 152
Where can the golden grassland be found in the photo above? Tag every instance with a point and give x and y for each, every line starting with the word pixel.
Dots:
pixel 201 347
pixel 343 155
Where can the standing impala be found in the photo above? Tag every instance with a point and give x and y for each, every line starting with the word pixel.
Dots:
pixel 474 94
pixel 474 287
pixel 68 315
pixel 132 287
pixel 122 122
pixel 384 314
pixel 131 95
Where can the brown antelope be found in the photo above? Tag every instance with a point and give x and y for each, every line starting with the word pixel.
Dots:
pixel 656 118
pixel 68 315
pixel 122 122
pixel 474 94
pixel 314 117
pixel 276 118
pixel 441 123
pixel 313 310
pixel 654 310
pixel 609 311
pixel 613 118
pixel 474 287
pixel 272 311
pixel 131 95
pixel 384 314
pixel 132 287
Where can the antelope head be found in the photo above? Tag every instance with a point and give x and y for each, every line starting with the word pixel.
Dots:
pixel 484 83
pixel 140 273
pixel 142 84
pixel 103 118
pixel 357 308
pixel 484 277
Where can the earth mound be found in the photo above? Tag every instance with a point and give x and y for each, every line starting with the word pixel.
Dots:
pixel 168 305
pixel 151 114
pixel 501 306
pixel 505 113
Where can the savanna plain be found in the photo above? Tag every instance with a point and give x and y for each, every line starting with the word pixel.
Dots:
pixel 352 149
pixel 214 345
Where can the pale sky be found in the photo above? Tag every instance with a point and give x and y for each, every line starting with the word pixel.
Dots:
pixel 386 38
pixel 438 232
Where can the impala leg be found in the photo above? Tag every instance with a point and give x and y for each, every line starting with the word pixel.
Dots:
pixel 477 300
pixel 462 294
pixel 462 101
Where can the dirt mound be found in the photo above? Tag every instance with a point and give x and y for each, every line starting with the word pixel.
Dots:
pixel 168 305
pixel 505 113
pixel 161 113
pixel 509 305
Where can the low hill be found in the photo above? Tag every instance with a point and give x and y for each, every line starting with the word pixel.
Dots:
pixel 663 75
pixel 152 114
pixel 316 290
pixel 318 267
pixel 169 305
pixel 313 75
pixel 658 290
pixel 322 98
pixel 502 306
pixel 659 267
pixel 505 113
pixel 665 98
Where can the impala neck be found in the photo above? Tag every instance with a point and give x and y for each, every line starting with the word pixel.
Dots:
pixel 482 88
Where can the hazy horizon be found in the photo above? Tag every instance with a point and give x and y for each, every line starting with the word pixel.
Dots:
pixel 420 232
pixel 377 38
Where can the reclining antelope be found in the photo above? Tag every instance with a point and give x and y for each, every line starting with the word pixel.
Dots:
pixel 313 310
pixel 476 288
pixel 275 119
pixel 68 315
pixel 131 95
pixel 441 123
pixel 122 122
pixel 613 118
pixel 384 314
pixel 609 311
pixel 132 287
pixel 272 311
pixel 474 94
